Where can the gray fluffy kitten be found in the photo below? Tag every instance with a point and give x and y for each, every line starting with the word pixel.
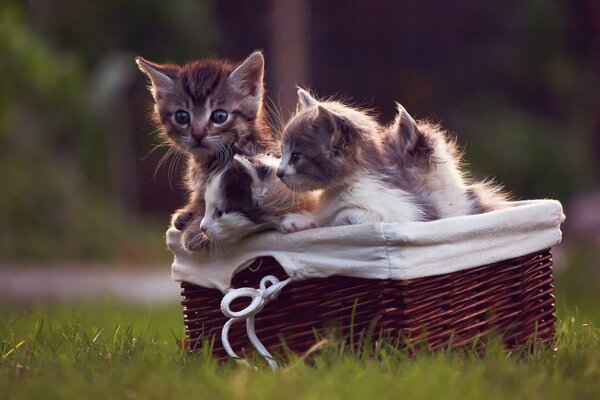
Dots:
pixel 337 148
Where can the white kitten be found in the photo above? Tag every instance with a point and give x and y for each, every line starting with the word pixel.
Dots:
pixel 431 163
pixel 247 197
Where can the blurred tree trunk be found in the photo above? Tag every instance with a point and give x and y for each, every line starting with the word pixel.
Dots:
pixel 113 79
pixel 290 50
pixel 584 26
pixel 123 160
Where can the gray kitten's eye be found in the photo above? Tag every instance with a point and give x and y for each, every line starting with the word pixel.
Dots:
pixel 218 213
pixel 182 117
pixel 295 157
pixel 219 116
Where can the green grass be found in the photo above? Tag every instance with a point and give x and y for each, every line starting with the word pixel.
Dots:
pixel 109 350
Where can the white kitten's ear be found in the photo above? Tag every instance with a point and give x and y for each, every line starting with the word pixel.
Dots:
pixel 405 130
pixel 408 140
pixel 243 164
pixel 161 76
pixel 247 78
pixel 305 100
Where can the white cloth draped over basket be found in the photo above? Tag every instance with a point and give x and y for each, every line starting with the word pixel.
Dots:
pixel 383 250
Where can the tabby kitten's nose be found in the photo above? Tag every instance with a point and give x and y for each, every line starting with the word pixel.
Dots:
pixel 198 138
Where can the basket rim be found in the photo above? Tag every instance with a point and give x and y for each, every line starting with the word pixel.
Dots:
pixel 396 251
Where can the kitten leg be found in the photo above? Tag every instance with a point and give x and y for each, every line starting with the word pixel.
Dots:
pixel 192 238
pixel 354 216
pixel 186 214
pixel 181 218
pixel 295 222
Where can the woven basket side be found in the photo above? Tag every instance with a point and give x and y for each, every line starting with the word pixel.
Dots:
pixel 512 298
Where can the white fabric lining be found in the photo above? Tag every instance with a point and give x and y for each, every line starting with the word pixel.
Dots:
pixel 382 251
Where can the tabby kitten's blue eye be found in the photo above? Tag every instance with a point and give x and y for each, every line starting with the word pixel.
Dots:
pixel 182 117
pixel 295 157
pixel 219 116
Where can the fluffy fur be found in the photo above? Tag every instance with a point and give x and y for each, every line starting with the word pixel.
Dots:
pixel 330 146
pixel 197 91
pixel 247 197
pixel 431 163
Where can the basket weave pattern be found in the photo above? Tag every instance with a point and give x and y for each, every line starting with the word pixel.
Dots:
pixel 511 298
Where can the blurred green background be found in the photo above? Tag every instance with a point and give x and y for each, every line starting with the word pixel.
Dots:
pixel 84 185
pixel 517 82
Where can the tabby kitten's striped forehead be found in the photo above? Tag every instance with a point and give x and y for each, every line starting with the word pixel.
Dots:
pixel 206 107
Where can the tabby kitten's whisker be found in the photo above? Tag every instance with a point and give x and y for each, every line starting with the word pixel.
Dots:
pixel 173 166
pixel 170 152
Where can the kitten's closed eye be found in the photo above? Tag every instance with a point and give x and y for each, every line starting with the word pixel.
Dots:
pixel 182 117
pixel 219 117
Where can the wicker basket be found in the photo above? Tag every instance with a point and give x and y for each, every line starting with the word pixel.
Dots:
pixel 512 298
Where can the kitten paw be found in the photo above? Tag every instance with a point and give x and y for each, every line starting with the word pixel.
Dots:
pixel 182 219
pixel 297 222
pixel 192 238
pixel 194 242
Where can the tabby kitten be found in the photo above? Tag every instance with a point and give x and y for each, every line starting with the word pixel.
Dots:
pixel 209 110
pixel 331 146
pixel 247 197
pixel 431 162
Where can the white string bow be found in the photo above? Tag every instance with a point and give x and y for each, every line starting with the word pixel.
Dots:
pixel 260 297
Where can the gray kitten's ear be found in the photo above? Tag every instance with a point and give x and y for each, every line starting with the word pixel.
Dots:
pixel 243 164
pixel 325 120
pixel 247 78
pixel 305 100
pixel 328 122
pixel 161 76
pixel 405 129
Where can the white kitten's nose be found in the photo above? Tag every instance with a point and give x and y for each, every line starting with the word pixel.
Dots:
pixel 280 173
pixel 203 229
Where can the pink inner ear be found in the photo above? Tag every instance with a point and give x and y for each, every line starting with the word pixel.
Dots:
pixel 158 71
pixel 247 86
pixel 161 76
pixel 250 88
pixel 325 119
pixel 248 76
pixel 305 99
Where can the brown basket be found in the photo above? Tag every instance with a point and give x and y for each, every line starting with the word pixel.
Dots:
pixel 511 298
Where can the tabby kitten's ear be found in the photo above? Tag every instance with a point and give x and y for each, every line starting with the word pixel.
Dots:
pixel 305 100
pixel 247 78
pixel 161 76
